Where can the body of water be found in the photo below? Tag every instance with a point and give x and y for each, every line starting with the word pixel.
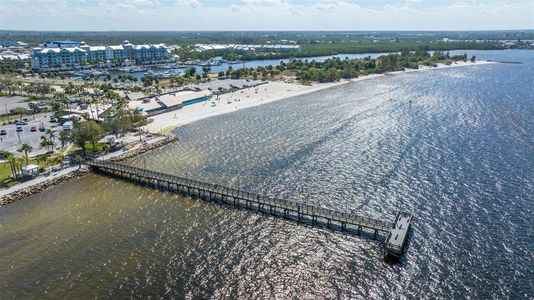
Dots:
pixel 248 64
pixel 455 147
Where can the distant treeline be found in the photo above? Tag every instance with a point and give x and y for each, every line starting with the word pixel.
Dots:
pixel 333 69
pixel 257 37
pixel 311 50
pixel 334 49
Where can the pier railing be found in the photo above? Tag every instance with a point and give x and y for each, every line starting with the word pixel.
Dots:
pixel 296 210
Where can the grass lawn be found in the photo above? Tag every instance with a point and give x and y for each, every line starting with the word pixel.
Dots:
pixel 5 170
pixel 5 175
pixel 98 146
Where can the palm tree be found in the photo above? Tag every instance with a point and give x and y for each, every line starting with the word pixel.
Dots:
pixel 51 135
pixel 64 138
pixel 46 143
pixel 10 157
pixel 41 160
pixel 48 140
pixel 63 99
pixel 34 108
pixel 17 165
pixel 121 104
pixel 26 148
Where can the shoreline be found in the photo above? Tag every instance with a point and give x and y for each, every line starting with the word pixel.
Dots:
pixel 272 91
pixel 41 183
pixel 266 93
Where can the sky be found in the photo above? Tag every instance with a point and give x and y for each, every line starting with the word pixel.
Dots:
pixel 193 15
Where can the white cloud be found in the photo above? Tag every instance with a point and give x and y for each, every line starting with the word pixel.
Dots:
pixel 264 15
pixel 143 2
pixel 189 3
pixel 325 6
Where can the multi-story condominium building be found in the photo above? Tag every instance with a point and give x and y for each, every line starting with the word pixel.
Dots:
pixel 82 55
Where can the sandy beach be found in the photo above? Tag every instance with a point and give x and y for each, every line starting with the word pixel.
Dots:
pixel 266 93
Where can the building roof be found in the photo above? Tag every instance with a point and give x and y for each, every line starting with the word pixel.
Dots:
pixel 135 96
pixel 57 50
pixel 97 48
pixel 157 46
pixel 148 106
pixel 179 97
pixel 30 167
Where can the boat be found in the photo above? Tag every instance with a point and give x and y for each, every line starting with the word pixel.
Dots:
pixel 133 69
pixel 234 62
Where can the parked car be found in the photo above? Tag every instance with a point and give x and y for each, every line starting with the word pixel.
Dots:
pixel 53 119
pixel 42 128
pixel 33 129
pixel 19 129
pixel 21 122
pixel 3 132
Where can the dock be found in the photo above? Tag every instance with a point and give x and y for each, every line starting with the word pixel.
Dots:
pixel 396 239
pixel 288 209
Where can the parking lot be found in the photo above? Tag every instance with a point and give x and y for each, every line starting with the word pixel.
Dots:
pixel 9 103
pixel 10 142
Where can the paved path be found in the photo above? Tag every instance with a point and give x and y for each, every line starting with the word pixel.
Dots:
pixel 37 180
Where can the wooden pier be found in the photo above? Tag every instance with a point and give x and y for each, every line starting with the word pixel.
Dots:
pixel 396 239
pixel 289 209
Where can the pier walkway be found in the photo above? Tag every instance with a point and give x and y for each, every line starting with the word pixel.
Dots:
pixel 289 209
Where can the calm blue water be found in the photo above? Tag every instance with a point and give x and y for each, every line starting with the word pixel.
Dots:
pixel 460 157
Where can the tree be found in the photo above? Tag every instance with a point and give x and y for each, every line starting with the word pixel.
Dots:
pixel 51 135
pixel 147 81
pixel 88 131
pixel 118 125
pixel 34 108
pixel 64 138
pixel 46 143
pixel 26 148
pixel 190 71
pixel 10 157
pixel 42 88
pixel 41 160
